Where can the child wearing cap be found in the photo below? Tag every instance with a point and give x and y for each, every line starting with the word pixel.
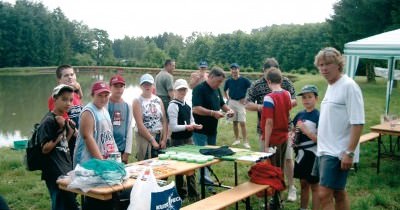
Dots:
pixel 95 139
pixel 181 124
pixel 121 117
pixel 54 133
pixel 305 145
pixel 151 121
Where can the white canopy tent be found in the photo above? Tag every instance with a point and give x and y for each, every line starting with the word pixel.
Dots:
pixel 382 46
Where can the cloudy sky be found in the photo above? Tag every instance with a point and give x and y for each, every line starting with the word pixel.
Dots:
pixel 153 17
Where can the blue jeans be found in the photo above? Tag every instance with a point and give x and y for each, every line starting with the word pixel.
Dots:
pixel 60 199
pixel 202 139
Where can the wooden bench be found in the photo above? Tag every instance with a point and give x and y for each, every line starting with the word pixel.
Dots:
pixel 368 137
pixel 227 198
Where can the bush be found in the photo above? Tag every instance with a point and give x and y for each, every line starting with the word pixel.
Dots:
pixel 249 69
pixel 302 71
pixel 293 71
pixel 314 72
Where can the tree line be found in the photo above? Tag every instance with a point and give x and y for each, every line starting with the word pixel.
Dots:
pixel 31 35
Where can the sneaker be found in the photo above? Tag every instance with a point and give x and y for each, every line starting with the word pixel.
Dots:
pixel 246 145
pixel 236 142
pixel 292 194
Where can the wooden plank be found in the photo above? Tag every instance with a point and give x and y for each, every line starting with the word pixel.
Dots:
pixel 368 137
pixel 227 198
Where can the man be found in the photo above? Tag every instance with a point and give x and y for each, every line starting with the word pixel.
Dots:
pixel 199 76
pixel 207 104
pixel 340 124
pixel 164 83
pixel 255 98
pixel 235 89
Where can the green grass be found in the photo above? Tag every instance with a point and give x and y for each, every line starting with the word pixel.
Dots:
pixel 367 190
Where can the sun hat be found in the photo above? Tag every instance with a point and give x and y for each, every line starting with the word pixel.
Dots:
pixel 309 89
pixel 117 79
pixel 180 83
pixel 203 64
pixel 59 88
pixel 146 78
pixel 100 87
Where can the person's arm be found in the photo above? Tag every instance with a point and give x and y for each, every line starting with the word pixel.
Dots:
pixel 355 133
pixel 250 104
pixel 173 111
pixel 194 80
pixel 86 129
pixel 313 136
pixel 199 110
pixel 269 124
pixel 129 136
pixel 164 132
pixel 142 130
pixel 288 85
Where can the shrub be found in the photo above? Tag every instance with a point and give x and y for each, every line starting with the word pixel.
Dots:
pixel 302 71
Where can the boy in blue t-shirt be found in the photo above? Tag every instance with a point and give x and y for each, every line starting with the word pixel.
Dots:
pixel 121 117
pixel 305 145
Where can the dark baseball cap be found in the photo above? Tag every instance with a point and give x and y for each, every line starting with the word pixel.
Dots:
pixel 309 89
pixel 234 65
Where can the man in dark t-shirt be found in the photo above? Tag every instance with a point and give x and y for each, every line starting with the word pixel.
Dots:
pixel 207 102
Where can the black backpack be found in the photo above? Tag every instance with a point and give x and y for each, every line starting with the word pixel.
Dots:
pixel 34 157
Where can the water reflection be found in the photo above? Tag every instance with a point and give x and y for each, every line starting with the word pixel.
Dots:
pixel 24 99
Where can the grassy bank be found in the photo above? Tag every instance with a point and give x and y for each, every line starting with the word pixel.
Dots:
pixel 367 190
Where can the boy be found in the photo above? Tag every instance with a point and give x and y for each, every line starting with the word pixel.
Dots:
pixel 54 133
pixel 305 146
pixel 275 122
pixel 66 75
pixel 181 123
pixel 121 117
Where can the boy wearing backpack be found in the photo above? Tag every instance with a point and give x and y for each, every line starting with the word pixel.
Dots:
pixel 54 133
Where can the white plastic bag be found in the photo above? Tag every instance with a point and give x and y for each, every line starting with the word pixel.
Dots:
pixel 147 194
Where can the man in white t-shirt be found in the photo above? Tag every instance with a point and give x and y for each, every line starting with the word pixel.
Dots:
pixel 340 125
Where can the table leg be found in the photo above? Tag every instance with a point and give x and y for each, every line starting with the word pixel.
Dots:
pixel 202 186
pixel 379 153
pixel 236 183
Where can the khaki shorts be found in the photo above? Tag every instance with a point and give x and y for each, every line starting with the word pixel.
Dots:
pixel 238 108
pixel 143 147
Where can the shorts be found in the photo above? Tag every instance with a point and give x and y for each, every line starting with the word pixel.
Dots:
pixel 144 148
pixel 289 152
pixel 327 168
pixel 238 108
pixel 303 168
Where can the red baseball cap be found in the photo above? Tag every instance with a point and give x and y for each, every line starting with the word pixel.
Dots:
pixel 117 79
pixel 100 87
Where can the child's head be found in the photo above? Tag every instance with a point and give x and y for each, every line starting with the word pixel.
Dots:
pixel 180 87
pixel 274 75
pixel 63 97
pixel 117 85
pixel 66 75
pixel 309 96
pixel 100 93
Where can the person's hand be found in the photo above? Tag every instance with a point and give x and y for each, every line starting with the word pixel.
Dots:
pixel 60 121
pixel 76 85
pixel 346 162
pixel 230 113
pixel 163 144
pixel 198 126
pixel 154 144
pixel 125 157
pixel 218 114
pixel 300 124
pixel 190 127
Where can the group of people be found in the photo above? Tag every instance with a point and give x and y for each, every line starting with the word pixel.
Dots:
pixel 325 143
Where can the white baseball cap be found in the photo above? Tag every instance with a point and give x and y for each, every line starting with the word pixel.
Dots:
pixel 180 83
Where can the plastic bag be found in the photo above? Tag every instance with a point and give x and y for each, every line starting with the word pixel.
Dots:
pixel 147 194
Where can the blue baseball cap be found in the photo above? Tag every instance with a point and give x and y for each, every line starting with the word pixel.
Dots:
pixel 203 64
pixel 234 65
pixel 309 89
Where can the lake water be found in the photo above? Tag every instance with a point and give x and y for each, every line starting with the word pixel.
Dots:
pixel 24 98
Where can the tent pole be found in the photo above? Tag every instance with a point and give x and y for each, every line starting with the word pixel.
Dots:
pixel 389 83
